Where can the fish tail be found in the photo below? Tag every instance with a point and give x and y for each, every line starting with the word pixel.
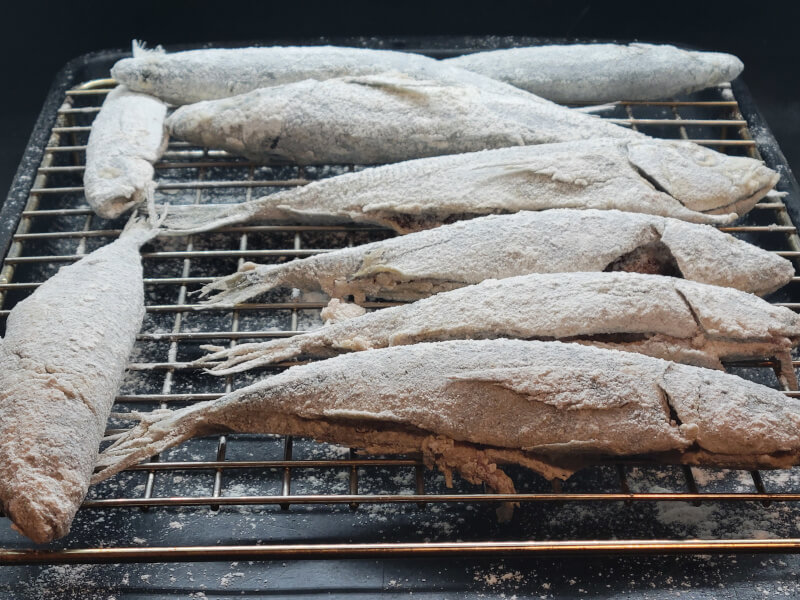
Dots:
pixel 156 431
pixel 250 280
pixel 189 219
pixel 141 229
pixel 598 108
pixel 250 356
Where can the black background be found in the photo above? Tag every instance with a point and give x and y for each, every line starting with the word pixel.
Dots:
pixel 40 37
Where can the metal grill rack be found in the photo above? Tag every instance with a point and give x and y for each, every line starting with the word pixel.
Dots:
pixel 239 479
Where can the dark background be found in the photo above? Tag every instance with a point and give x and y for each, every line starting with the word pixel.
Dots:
pixel 40 37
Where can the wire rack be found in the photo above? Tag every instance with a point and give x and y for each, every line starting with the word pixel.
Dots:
pixel 224 482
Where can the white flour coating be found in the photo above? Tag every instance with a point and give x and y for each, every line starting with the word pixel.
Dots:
pixel 669 318
pixel 421 264
pixel 349 120
pixel 604 72
pixel 702 186
pixel 195 75
pixel 471 405
pixel 127 137
pixel 337 311
pixel 61 364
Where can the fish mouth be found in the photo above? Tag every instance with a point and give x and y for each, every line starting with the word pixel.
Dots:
pixel 742 205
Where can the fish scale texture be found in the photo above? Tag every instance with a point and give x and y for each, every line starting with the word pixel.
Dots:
pixel 420 264
pixel 128 136
pixel 679 320
pixel 544 401
pixel 61 363
pixel 604 72
pixel 348 120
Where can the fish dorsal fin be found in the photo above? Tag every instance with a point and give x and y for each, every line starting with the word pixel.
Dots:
pixel 140 49
pixel 396 83
pixel 563 389
pixel 532 169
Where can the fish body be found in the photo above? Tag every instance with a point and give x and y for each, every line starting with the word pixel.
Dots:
pixel 675 319
pixel 427 262
pixel 209 74
pixel 61 363
pixel 471 404
pixel 127 137
pixel 696 185
pixel 591 73
pixel 350 120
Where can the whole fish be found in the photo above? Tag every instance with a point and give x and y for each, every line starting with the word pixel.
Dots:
pixel 209 74
pixel 427 262
pixel 604 72
pixel 127 137
pixel 684 321
pixel 378 119
pixel 693 183
pixel 61 363
pixel 470 405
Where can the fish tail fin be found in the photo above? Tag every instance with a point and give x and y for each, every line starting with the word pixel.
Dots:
pixel 140 229
pixel 249 281
pixel 156 431
pixel 593 109
pixel 250 356
pixel 197 218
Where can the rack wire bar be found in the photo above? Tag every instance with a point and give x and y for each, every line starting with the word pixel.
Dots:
pixel 393 550
pixel 286 497
pixel 57 227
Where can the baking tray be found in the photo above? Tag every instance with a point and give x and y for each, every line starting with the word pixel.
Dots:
pixel 263 497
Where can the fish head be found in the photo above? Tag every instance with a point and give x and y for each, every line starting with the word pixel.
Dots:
pixel 140 74
pixel 699 178
pixel 719 66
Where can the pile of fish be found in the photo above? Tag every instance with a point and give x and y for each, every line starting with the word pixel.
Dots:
pixel 569 299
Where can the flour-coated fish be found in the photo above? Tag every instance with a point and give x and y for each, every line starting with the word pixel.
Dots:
pixel 697 185
pixel 427 262
pixel 61 363
pixel 127 137
pixel 471 405
pixel 674 319
pixel 604 72
pixel 378 119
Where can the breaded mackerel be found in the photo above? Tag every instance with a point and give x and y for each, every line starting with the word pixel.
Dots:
pixel 675 319
pixel 471 405
pixel 61 363
pixel 671 179
pixel 378 119
pixel 127 137
pixel 424 263
pixel 604 72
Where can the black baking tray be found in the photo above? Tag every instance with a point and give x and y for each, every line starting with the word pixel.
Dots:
pixel 694 576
